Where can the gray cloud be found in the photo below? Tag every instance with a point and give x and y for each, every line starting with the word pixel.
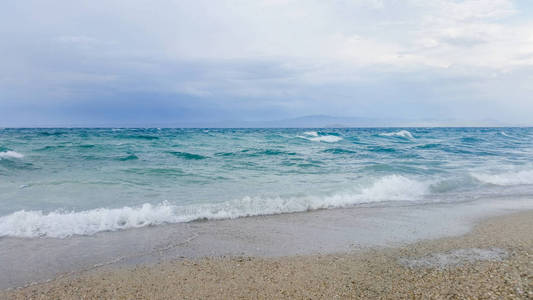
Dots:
pixel 192 61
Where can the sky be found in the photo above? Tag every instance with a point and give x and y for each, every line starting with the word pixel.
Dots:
pixel 204 62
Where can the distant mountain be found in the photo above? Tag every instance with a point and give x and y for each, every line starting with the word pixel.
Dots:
pixel 312 121
pixel 321 121
pixel 325 121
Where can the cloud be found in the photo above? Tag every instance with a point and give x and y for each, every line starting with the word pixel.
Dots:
pixel 439 58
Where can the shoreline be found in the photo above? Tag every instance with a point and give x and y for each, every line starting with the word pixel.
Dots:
pixel 501 239
pixel 29 261
pixel 493 261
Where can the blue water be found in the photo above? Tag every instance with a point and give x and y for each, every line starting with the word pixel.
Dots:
pixel 61 182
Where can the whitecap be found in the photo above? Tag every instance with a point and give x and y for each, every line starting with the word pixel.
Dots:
pixel 326 138
pixel 315 137
pixel 10 154
pixel 401 133
pixel 506 178
pixel 506 135
pixel 395 187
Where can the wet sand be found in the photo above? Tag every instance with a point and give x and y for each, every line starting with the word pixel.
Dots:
pixel 493 261
pixel 26 261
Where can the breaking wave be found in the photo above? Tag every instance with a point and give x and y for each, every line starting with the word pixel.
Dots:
pixel 61 224
pixel 311 133
pixel 402 133
pixel 10 154
pixel 506 179
pixel 326 138
pixel 316 137
pixel 505 134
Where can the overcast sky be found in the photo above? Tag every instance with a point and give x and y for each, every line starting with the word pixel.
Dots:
pixel 72 63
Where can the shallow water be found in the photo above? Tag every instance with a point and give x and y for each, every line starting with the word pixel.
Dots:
pixel 63 182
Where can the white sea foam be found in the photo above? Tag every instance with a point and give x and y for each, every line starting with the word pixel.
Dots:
pixel 401 133
pixel 455 258
pixel 10 154
pixel 311 133
pixel 504 134
pixel 395 187
pixel 315 137
pixel 326 138
pixel 507 178
pixel 62 224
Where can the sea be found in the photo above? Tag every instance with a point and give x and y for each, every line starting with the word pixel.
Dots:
pixel 63 182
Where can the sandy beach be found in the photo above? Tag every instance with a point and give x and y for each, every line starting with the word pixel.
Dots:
pixel 493 261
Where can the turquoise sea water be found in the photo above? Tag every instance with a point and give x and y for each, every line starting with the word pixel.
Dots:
pixel 61 182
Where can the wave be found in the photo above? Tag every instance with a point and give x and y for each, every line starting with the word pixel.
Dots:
pixel 506 179
pixel 466 151
pixel 429 146
pixel 323 138
pixel 396 187
pixel 274 152
pixel 380 149
pixel 471 140
pixel 316 137
pixel 504 134
pixel 402 133
pixel 139 137
pixel 255 152
pixel 48 148
pixel 226 154
pixel 509 136
pixel 61 224
pixel 339 151
pixel 187 155
pixel 11 154
pixel 86 146
pixel 57 147
pixel 326 138
pixel 167 172
pixel 129 157
pixel 52 133
pixel 311 133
